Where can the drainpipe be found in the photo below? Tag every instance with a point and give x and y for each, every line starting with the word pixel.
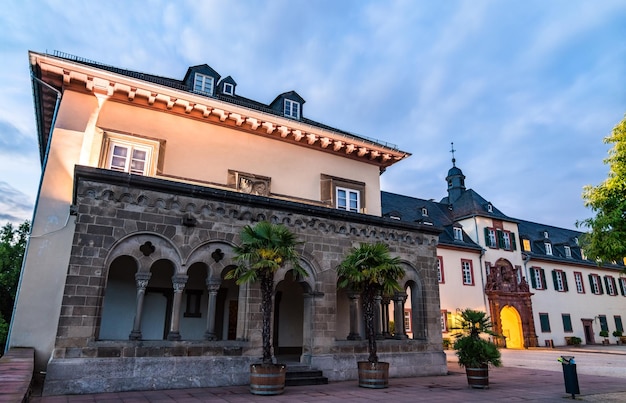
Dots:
pixel 480 260
pixel 526 258
pixel 43 170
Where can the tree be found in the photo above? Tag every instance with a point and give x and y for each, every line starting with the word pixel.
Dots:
pixel 606 241
pixel 370 270
pixel 264 249
pixel 473 350
pixel 12 246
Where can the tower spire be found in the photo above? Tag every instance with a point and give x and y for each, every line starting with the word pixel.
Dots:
pixel 452 150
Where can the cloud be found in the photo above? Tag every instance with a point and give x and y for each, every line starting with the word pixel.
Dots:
pixel 15 206
pixel 12 140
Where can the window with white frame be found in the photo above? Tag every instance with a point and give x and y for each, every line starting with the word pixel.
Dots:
pixel 458 233
pixel 407 320
pixel 440 275
pixel 538 278
pixel 609 282
pixel 560 280
pixel 595 284
pixel 292 109
pixel 500 238
pixel 468 272
pixel 203 84
pixel 229 89
pixel 424 211
pixel 506 240
pixel 578 278
pixel 129 154
pixel 548 248
pixel 568 251
pixel 348 199
pixel 490 237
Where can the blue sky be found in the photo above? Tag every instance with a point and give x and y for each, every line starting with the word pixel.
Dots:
pixel 526 90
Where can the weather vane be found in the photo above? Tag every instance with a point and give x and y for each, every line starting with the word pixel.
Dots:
pixel 452 151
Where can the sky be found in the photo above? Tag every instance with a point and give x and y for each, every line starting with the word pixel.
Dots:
pixel 527 90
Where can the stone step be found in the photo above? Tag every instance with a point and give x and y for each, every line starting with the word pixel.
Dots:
pixel 303 376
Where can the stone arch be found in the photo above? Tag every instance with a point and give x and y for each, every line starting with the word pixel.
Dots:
pixel 146 248
pixel 415 304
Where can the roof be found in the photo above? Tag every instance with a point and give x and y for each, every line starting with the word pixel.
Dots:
pixel 471 204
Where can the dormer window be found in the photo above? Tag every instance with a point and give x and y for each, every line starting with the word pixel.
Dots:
pixel 576 240
pixel 203 84
pixel 458 233
pixel 489 208
pixel 548 246
pixel 292 109
pixel 229 89
pixel 545 234
pixel 424 211
pixel 568 251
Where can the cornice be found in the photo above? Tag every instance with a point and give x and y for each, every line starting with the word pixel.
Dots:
pixel 136 91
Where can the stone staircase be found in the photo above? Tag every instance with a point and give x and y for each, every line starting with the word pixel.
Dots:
pixel 301 375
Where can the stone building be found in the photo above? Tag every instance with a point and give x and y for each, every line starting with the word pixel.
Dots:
pixel 146 184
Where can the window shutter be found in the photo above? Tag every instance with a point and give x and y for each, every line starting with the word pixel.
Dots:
pixel 533 282
pixel 500 238
pixel 487 237
pixel 543 278
pixel 513 242
pixel 600 289
pixel 621 287
pixel 555 281
pixel 593 289
pixel 564 276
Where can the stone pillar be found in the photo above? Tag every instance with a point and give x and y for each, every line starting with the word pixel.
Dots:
pixel 213 285
pixel 355 316
pixel 141 280
pixel 385 316
pixel 178 282
pixel 398 311
pixel 378 317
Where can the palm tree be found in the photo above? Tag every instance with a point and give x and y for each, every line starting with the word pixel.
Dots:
pixel 370 270
pixel 264 249
pixel 472 350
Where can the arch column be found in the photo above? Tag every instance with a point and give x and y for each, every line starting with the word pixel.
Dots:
pixel 141 281
pixel 385 316
pixel 355 316
pixel 378 316
pixel 213 287
pixel 178 282
pixel 398 312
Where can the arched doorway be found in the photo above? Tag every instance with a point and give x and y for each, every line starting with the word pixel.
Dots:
pixel 288 318
pixel 511 327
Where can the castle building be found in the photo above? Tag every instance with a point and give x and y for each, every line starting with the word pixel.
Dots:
pixel 146 184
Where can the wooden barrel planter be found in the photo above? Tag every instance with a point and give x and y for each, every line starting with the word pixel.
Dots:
pixel 478 378
pixel 267 379
pixel 373 375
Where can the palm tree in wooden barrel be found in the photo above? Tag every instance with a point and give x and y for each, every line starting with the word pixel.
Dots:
pixel 370 271
pixel 474 350
pixel 264 249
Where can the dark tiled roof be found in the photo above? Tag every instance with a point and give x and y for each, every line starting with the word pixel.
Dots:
pixel 409 209
pixel 236 99
pixel 471 203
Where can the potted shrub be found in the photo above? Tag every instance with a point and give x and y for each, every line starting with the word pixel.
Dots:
pixel 605 334
pixel 370 271
pixel 475 352
pixel 265 248
pixel 618 335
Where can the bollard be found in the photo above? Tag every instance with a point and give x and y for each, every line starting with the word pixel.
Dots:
pixel 569 375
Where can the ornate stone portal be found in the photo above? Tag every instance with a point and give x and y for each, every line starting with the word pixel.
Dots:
pixel 508 293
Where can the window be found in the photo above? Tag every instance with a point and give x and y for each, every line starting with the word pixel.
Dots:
pixel 618 323
pixel 567 322
pixel 424 211
pixel 129 154
pixel 603 323
pixel 203 84
pixel 568 251
pixel 506 240
pixel 444 321
pixel 545 234
pixel 292 109
pixel 622 285
pixel 490 208
pixel 526 245
pixel 344 194
pixel 229 89
pixel 609 282
pixel 560 280
pixel 578 278
pixel 407 320
pixel 595 284
pixel 348 199
pixel 544 320
pixel 440 275
pixel 576 240
pixel 538 278
pixel 548 248
pixel 490 237
pixel 468 272
pixel 458 234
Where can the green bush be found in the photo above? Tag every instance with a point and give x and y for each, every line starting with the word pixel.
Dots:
pixel 447 343
pixel 617 333
pixel 473 350
pixel 604 333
